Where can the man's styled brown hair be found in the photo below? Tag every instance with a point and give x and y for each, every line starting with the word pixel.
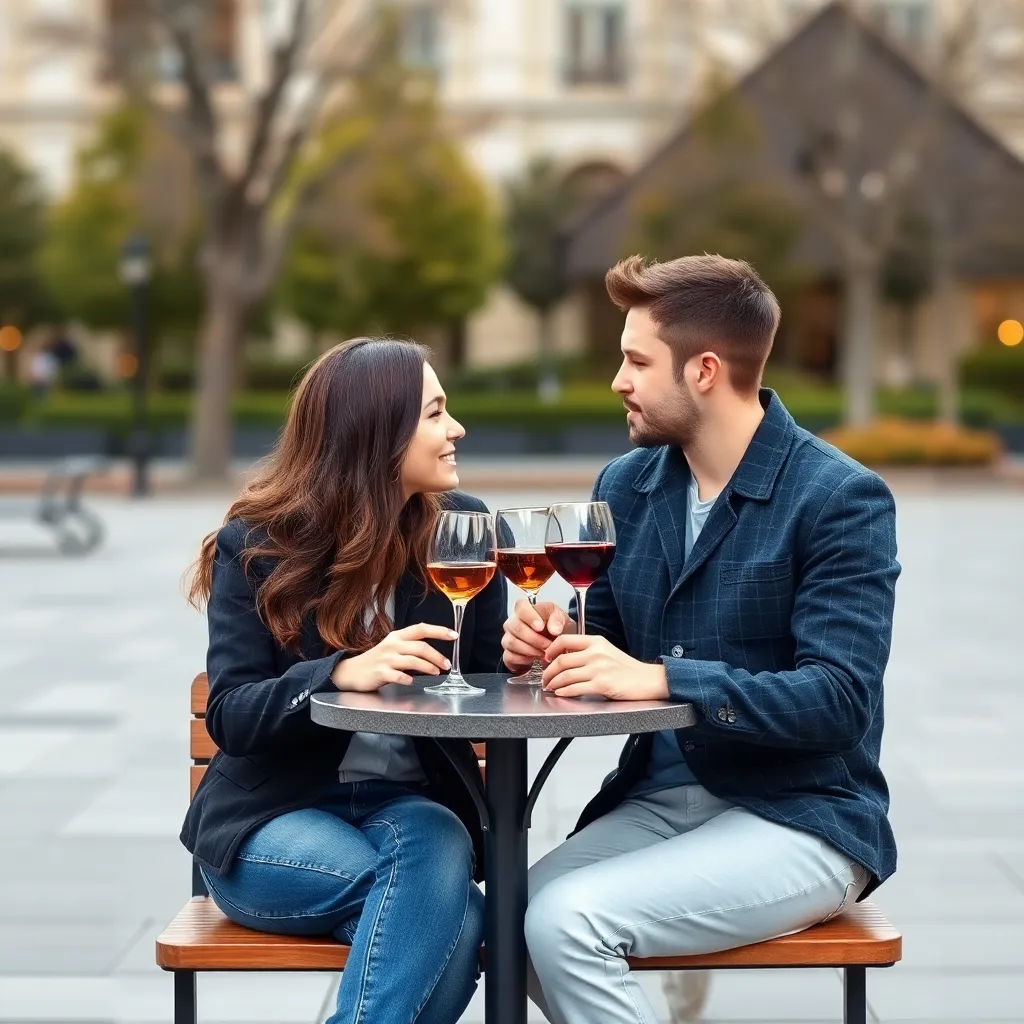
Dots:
pixel 703 304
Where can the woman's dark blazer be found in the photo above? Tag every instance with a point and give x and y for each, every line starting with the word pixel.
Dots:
pixel 272 758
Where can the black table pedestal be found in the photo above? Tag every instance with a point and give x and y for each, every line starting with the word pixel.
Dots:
pixel 506 867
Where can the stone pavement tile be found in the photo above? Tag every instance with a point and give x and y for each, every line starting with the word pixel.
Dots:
pixel 767 996
pixel 964 945
pixel 798 995
pixel 92 878
pixel 897 995
pixel 143 802
pixel 68 698
pixel 34 999
pixel 21 746
pixel 51 946
pixel 474 1013
pixel 250 997
pixel 40 807
pixel 84 754
pixel 139 956
pixel 1012 864
pixel 941 886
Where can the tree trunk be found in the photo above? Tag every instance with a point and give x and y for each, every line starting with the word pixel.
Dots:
pixel 947 313
pixel 211 423
pixel 549 388
pixel 860 325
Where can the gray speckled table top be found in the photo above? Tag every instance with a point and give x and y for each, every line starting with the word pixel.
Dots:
pixel 503 712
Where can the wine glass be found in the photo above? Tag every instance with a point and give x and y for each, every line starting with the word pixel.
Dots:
pixel 461 564
pixel 523 561
pixel 580 541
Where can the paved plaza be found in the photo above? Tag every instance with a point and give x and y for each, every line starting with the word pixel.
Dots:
pixel 96 657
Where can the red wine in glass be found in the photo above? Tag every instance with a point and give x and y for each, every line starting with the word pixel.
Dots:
pixel 581 564
pixel 580 541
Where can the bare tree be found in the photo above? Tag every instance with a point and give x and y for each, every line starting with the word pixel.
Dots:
pixel 858 194
pixel 251 194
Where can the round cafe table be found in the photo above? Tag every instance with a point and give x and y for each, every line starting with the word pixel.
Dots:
pixel 506 716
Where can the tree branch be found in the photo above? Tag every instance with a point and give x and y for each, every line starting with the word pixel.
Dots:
pixel 283 67
pixel 198 125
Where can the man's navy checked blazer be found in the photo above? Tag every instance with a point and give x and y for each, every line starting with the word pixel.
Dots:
pixel 777 628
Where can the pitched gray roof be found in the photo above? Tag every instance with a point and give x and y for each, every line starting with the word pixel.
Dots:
pixel 794 97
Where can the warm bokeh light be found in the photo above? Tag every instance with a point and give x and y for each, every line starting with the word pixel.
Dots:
pixel 10 339
pixel 1011 332
pixel 126 366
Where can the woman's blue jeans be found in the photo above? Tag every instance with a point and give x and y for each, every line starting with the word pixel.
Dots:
pixel 382 868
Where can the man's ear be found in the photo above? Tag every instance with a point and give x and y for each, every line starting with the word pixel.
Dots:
pixel 709 370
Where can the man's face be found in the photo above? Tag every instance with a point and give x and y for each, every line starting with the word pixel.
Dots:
pixel 660 408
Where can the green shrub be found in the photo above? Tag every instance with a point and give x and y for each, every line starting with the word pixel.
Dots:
pixel 1000 370
pixel 14 400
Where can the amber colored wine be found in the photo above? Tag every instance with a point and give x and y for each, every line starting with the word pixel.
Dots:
pixel 528 570
pixel 580 564
pixel 461 581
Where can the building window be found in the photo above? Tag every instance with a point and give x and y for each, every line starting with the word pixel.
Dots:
pixel 905 20
pixel 130 36
pixel 421 36
pixel 595 43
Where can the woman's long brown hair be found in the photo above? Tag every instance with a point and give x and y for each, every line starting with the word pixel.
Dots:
pixel 327 507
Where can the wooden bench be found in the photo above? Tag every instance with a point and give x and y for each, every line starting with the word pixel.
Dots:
pixel 201 938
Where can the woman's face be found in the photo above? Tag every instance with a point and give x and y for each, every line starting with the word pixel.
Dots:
pixel 429 464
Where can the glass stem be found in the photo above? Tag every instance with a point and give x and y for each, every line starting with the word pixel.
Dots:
pixel 460 610
pixel 581 608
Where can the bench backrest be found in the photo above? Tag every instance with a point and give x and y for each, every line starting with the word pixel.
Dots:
pixel 201 745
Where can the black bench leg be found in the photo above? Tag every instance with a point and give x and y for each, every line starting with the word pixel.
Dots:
pixel 855 996
pixel 184 997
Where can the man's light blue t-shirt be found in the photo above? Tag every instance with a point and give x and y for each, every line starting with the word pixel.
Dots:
pixel 667 767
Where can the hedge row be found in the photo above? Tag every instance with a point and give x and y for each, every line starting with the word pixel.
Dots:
pixel 1000 370
pixel 816 408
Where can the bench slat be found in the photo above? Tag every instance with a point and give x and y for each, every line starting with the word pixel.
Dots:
pixel 200 694
pixel 195 776
pixel 202 938
pixel 859 937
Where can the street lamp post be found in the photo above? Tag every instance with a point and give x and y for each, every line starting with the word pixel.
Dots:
pixel 135 272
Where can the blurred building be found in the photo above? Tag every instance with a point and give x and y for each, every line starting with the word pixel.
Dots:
pixel 598 85
pixel 950 270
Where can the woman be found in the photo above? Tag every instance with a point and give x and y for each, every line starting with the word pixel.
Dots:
pixel 316 583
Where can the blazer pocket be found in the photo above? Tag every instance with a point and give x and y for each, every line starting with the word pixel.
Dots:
pixel 756 572
pixel 240 770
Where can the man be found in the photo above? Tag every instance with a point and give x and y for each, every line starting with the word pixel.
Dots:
pixel 754 577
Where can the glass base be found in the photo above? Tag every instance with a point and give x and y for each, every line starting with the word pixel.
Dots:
pixel 451 686
pixel 533 676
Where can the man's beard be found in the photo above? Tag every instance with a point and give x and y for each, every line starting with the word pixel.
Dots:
pixel 671 421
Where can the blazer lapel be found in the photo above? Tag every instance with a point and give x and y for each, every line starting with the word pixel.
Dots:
pixel 666 477
pixel 666 484
pixel 721 520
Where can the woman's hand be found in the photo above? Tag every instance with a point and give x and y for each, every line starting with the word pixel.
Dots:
pixel 401 652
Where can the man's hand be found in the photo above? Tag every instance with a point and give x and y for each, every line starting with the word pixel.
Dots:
pixel 580 665
pixel 530 631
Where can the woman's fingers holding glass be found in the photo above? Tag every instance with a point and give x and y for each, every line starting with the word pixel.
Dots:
pixel 417 666
pixel 424 652
pixel 425 631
